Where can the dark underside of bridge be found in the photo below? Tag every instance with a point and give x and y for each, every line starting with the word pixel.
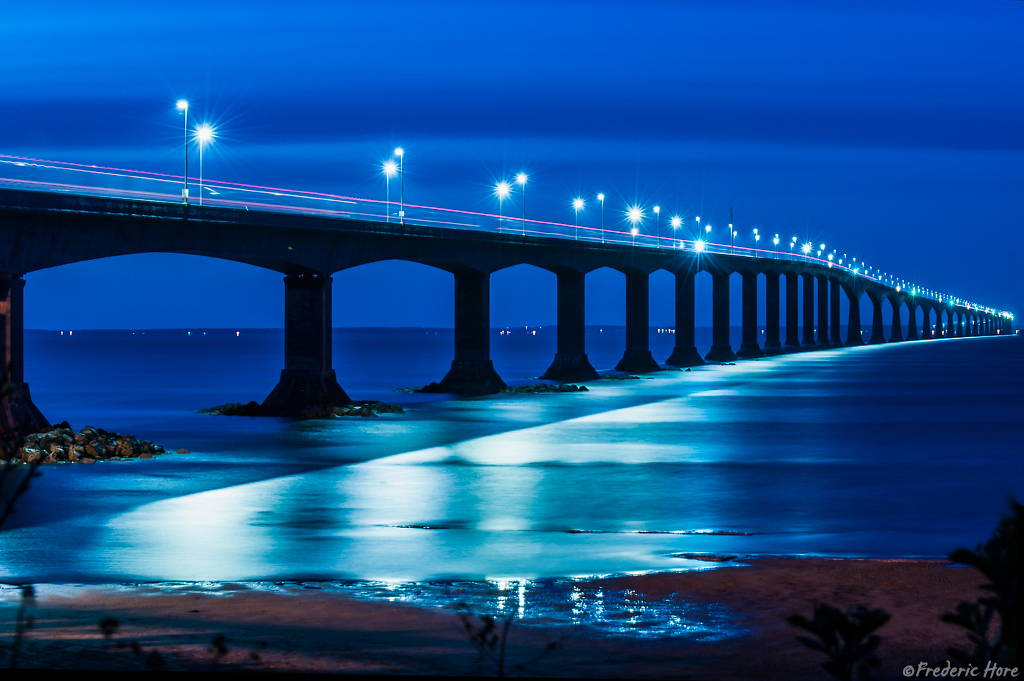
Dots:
pixel 40 230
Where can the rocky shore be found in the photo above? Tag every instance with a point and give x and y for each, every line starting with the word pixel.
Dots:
pixel 313 411
pixel 61 444
pixel 528 389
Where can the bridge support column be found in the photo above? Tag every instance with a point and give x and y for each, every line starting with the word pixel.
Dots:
pixel 685 354
pixel 808 339
pixel 772 346
pixel 877 332
pixel 308 377
pixel 472 371
pixel 896 329
pixel 823 311
pixel 792 313
pixel 749 348
pixel 721 349
pixel 571 363
pixel 18 415
pixel 637 358
pixel 837 340
pixel 853 330
pixel 912 320
pixel 926 327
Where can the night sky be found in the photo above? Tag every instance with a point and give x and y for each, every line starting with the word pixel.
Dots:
pixel 889 130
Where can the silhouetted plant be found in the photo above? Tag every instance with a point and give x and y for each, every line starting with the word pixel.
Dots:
pixel 23 622
pixel 998 559
pixel 847 638
pixel 484 635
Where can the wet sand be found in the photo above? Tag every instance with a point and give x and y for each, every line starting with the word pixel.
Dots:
pixel 320 631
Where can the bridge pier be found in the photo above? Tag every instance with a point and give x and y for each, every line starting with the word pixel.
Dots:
pixel 877 332
pixel 837 340
pixel 896 329
pixel 772 346
pixel 823 310
pixel 18 415
pixel 637 358
pixel 912 320
pixel 808 340
pixel 853 330
pixel 571 363
pixel 749 348
pixel 926 328
pixel 721 349
pixel 308 376
pixel 960 324
pixel 472 371
pixel 792 313
pixel 685 354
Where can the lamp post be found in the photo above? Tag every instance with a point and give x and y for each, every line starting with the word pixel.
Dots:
pixel 757 237
pixel 776 242
pixel 732 234
pixel 183 107
pixel 657 226
pixel 698 228
pixel 635 214
pixel 390 170
pixel 204 133
pixel 600 197
pixel 577 205
pixel 676 223
pixel 400 153
pixel 501 190
pixel 521 181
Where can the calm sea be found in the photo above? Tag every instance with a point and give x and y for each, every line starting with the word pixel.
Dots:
pixel 898 450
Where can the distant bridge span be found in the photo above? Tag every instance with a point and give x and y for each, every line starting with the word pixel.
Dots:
pixel 39 230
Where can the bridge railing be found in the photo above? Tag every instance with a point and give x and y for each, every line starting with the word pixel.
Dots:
pixel 109 182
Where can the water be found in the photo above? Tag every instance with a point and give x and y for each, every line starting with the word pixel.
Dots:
pixel 881 451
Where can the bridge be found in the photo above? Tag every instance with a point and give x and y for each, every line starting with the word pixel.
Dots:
pixel 41 229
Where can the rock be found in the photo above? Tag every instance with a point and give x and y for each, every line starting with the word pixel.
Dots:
pixel 33 456
pixel 145 455
pixel 81 439
pixel 92 451
pixel 183 451
pixel 88 460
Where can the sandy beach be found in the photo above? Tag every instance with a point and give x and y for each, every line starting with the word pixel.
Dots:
pixel 309 630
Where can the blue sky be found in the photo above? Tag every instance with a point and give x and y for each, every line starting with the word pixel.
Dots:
pixel 889 129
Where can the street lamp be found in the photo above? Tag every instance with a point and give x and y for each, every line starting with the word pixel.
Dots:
pixel 657 226
pixel 635 214
pixel 400 153
pixel 390 170
pixel 521 181
pixel 577 205
pixel 600 197
pixel 776 242
pixel 757 237
pixel 676 223
pixel 183 107
pixel 732 239
pixel 501 190
pixel 204 133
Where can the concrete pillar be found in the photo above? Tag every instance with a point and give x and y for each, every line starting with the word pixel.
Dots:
pixel 571 363
pixel 772 344
pixel 685 354
pixel 896 330
pixel 823 310
pixel 970 329
pixel 960 324
pixel 837 341
pixel 853 334
pixel 637 358
pixel 877 332
pixel 912 320
pixel 792 312
pixel 472 371
pixel 721 349
pixel 18 415
pixel 750 347
pixel 808 338
pixel 308 377
pixel 926 330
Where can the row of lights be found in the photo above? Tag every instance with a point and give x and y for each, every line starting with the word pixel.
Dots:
pixel 204 133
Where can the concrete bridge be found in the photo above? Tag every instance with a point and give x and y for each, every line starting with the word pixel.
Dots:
pixel 42 229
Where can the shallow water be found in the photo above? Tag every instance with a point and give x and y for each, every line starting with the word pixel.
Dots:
pixel 883 451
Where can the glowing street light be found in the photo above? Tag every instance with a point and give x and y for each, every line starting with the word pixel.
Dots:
pixel 806 248
pixel 204 133
pixel 676 223
pixel 657 227
pixel 577 205
pixel 183 107
pixel 400 153
pixel 502 191
pixel 390 169
pixel 635 214
pixel 698 245
pixel 776 242
pixel 521 181
pixel 600 197
pixel 757 237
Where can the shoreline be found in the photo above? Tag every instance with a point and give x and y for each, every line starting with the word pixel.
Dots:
pixel 732 623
